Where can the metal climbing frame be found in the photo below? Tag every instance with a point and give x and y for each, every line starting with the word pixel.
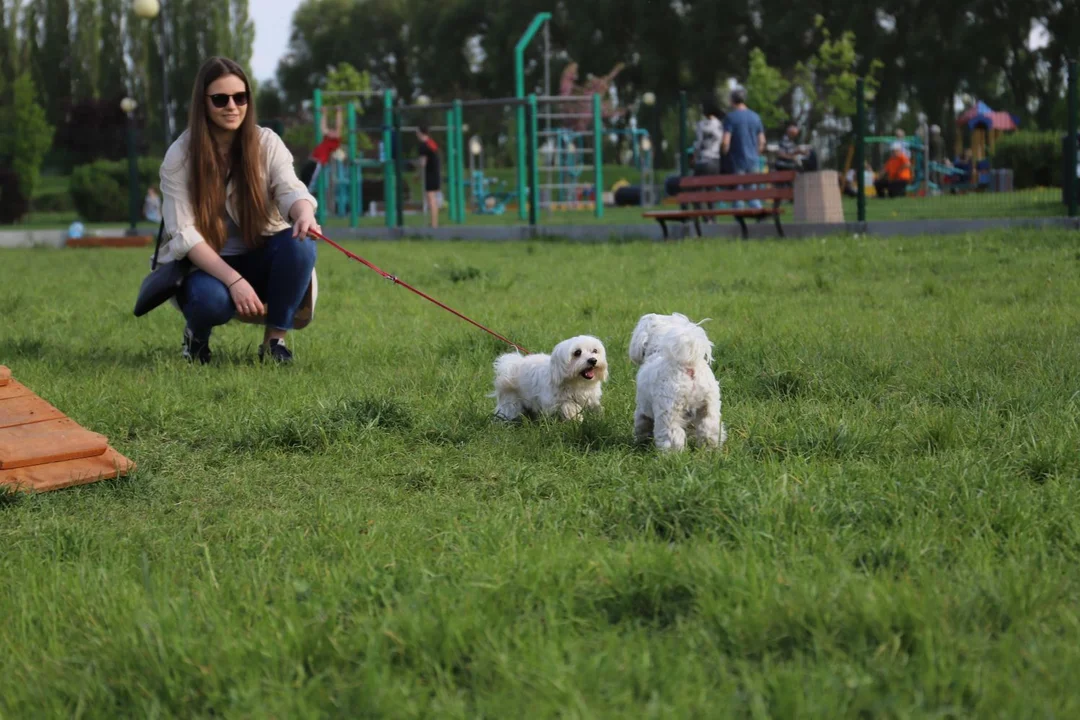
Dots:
pixel 317 104
pixel 570 145
pixel 456 151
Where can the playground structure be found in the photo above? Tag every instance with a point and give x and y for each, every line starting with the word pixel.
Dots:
pixel 558 136
pixel 981 127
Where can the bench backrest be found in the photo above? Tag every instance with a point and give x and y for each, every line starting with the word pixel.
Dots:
pixel 704 188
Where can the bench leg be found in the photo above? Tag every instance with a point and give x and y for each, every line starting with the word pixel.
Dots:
pixel 697 226
pixel 663 227
pixel 779 227
pixel 742 224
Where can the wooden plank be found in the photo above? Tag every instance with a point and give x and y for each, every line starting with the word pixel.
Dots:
pixel 688 214
pixel 56 476
pixel 780 193
pixel 25 410
pixel 5 375
pixel 705 181
pixel 14 389
pixel 50 441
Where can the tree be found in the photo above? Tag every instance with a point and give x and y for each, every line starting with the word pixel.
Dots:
pixel 345 78
pixel 766 88
pixel 86 47
pixel 25 133
pixel 826 82
pixel 53 62
pixel 112 81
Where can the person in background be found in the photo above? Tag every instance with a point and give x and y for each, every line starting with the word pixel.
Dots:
pixel 322 153
pixel 895 176
pixel 792 155
pixel 152 205
pixel 708 139
pixel 744 139
pixel 708 136
pixel 430 172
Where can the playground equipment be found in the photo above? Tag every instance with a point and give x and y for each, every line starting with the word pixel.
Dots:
pixel 570 151
pixel 981 127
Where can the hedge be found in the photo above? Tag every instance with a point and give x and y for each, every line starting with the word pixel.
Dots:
pixel 1034 157
pixel 99 189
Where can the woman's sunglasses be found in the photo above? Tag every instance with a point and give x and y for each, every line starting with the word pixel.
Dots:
pixel 221 100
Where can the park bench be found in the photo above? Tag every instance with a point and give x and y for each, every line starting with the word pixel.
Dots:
pixel 774 186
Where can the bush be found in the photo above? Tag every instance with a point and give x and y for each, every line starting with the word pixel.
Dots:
pixel 13 204
pixel 99 190
pixel 53 202
pixel 1034 158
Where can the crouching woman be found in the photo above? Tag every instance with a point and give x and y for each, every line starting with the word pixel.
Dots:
pixel 233 206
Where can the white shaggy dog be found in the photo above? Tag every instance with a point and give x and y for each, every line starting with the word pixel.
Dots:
pixel 644 340
pixel 676 390
pixel 561 384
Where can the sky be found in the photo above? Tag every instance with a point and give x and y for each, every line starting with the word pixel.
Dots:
pixel 273 19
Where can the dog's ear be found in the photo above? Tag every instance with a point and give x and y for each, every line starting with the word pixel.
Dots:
pixel 639 343
pixel 560 360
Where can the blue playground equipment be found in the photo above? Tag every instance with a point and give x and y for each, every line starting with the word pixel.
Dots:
pixel 487 200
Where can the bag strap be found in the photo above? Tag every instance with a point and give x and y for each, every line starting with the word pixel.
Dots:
pixel 157 245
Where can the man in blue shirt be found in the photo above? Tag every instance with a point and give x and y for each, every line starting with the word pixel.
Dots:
pixel 744 138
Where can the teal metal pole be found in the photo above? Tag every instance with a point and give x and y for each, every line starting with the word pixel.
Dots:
pixel 519 92
pixel 320 182
pixel 682 134
pixel 452 181
pixel 459 157
pixel 1072 162
pixel 354 170
pixel 534 170
pixel 389 181
pixel 860 148
pixel 598 154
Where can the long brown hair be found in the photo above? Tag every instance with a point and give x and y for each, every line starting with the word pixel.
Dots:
pixel 209 172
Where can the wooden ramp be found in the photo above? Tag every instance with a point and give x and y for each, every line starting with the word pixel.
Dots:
pixel 41 449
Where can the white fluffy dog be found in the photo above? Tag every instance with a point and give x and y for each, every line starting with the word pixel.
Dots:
pixel 676 389
pixel 561 384
pixel 650 328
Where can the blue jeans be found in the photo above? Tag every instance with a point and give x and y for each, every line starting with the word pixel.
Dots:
pixel 279 272
pixel 755 204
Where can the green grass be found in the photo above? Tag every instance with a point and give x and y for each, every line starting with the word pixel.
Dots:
pixel 891 531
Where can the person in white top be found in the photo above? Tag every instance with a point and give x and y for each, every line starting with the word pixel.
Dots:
pixel 710 134
pixel 234 208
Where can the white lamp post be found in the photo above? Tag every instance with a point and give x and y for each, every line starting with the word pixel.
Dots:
pixel 148 10
pixel 128 105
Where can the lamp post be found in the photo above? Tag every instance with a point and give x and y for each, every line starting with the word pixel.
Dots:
pixel 128 105
pixel 148 10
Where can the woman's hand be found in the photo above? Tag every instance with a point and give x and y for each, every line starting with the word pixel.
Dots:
pixel 303 215
pixel 246 299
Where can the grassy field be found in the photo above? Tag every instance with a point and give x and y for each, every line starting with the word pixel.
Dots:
pixel 891 531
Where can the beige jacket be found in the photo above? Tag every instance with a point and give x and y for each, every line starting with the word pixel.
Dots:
pixel 283 188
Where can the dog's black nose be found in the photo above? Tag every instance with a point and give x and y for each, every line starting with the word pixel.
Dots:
pixel 592 362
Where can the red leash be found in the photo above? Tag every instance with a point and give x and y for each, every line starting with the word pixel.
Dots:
pixel 407 286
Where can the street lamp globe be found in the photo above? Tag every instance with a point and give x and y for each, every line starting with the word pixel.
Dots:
pixel 649 98
pixel 128 105
pixel 146 9
pixel 475 147
pixel 423 100
pixel 646 144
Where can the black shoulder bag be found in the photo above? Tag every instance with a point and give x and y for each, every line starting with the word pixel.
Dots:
pixel 163 281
